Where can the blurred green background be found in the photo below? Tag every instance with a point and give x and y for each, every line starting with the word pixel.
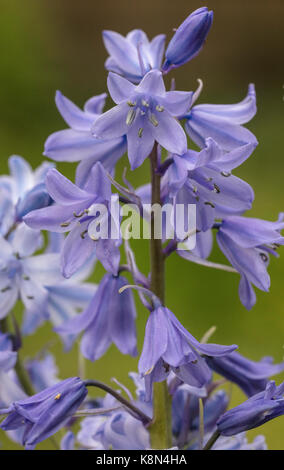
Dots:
pixel 56 44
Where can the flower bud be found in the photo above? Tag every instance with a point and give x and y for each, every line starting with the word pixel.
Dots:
pixel 188 39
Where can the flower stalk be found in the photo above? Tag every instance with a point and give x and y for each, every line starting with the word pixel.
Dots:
pixel 160 428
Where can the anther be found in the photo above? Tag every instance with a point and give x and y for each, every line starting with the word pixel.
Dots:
pixel 216 188
pixel 57 396
pixel 5 289
pixel 144 103
pixel 140 132
pixel 142 113
pixel 25 277
pixel 82 234
pixel 153 120
pixel 65 224
pixel 208 203
pixel 78 215
pixel 226 173
pixel 130 116
pixel 131 104
pixel 264 257
pixel 159 108
pixel 30 297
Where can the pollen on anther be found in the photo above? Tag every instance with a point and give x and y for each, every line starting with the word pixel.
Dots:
pixel 57 396
pixel 140 132
pixel 65 224
pixel 159 108
pixel 130 116
pixel 153 120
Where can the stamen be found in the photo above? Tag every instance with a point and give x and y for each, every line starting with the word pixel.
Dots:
pixel 130 116
pixel 82 234
pixel 78 215
pixel 5 289
pixel 131 104
pixel 159 108
pixel 149 371
pixel 216 188
pixel 226 173
pixel 140 132
pixel 145 103
pixel 57 396
pixel 153 120
pixel 65 224
pixel 264 257
pixel 208 203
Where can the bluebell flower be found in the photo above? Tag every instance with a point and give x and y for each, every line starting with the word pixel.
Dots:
pixel 43 414
pixel 247 243
pixel 188 39
pixel 145 113
pixel 109 318
pixel 169 346
pixel 250 376
pixel 254 412
pixel 77 143
pixel 134 55
pixel 22 191
pixel 204 179
pixel 72 212
pixel 223 123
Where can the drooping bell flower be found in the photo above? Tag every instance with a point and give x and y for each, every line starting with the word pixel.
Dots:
pixel 109 318
pixel 250 376
pixel 254 412
pixel 247 243
pixel 43 414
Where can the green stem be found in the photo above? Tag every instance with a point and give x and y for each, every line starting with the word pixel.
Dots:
pixel 19 367
pixel 160 428
pixel 23 377
pixel 212 440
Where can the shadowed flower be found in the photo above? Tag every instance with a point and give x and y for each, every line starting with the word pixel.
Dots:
pixel 43 414
pixel 145 113
pixel 110 317
pixel 247 243
pixel 22 191
pixel 254 412
pixel 251 376
pixel 188 39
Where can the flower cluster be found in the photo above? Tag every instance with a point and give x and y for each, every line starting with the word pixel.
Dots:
pixel 49 274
